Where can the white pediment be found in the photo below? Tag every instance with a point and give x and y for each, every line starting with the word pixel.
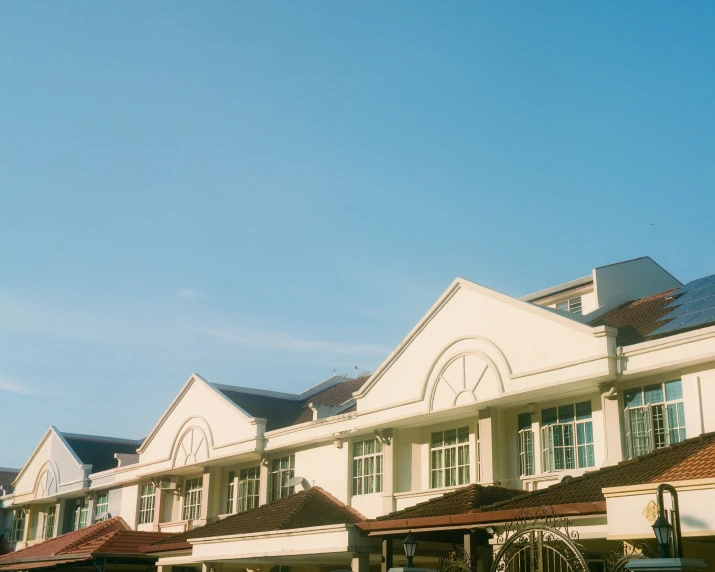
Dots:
pixel 476 344
pixel 201 423
pixel 51 469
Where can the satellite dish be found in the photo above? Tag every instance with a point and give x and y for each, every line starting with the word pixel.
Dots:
pixel 295 481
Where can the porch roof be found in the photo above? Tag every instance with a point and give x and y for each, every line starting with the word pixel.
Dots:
pixel 308 508
pixel 692 459
pixel 111 537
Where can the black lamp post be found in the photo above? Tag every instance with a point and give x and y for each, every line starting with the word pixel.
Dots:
pixel 410 545
pixel 662 529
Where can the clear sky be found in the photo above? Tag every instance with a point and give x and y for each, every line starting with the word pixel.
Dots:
pixel 263 192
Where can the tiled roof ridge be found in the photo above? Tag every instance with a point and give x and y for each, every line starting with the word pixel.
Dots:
pixel 338 502
pixel 593 474
pixel 284 524
pixel 95 542
pixel 100 526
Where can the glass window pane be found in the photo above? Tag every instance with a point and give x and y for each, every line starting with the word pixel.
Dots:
pixel 548 416
pixel 633 397
pixel 653 393
pixel 357 449
pixel 524 421
pixel 450 437
pixel 674 390
pixel 463 435
pixel 437 439
pixel 566 413
pixel 583 410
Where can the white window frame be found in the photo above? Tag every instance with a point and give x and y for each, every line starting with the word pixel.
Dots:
pixel 655 424
pixel 249 488
pixel 19 522
pixel 281 475
pixel 81 514
pixel 573 305
pixel 192 497
pixel 48 526
pixel 525 444
pixel 101 504
pixel 568 434
pixel 367 467
pixel 147 501
pixel 449 471
pixel 230 492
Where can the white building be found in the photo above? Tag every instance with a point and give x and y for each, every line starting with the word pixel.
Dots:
pixel 486 389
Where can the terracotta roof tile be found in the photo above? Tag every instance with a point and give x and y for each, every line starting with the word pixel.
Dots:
pixel 636 320
pixel 282 412
pixel 464 500
pixel 312 507
pixel 112 536
pixel 691 459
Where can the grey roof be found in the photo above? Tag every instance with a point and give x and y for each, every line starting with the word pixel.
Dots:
pixel 99 451
pixel 7 476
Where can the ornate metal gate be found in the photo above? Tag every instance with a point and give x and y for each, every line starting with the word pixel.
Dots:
pixel 539 541
pixel 616 560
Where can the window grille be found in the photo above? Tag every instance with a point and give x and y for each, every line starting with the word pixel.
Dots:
pixel 17 531
pixel 573 305
pixel 567 437
pixel 146 504
pixel 249 486
pixel 449 452
pixel 282 470
pixel 526 444
pixel 367 467
pixel 654 417
pixel 49 528
pixel 193 491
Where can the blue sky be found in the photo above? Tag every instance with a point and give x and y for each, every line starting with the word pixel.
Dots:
pixel 263 192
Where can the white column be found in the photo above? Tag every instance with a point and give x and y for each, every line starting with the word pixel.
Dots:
pixel 612 419
pixel 388 470
pixel 489 446
pixel 265 476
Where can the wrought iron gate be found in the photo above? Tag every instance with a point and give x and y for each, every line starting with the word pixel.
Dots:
pixel 628 550
pixel 539 541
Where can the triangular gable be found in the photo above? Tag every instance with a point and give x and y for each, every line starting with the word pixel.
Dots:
pixel 489 340
pixel 199 421
pixel 52 467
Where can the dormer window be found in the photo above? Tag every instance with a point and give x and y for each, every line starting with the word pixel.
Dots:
pixel 573 305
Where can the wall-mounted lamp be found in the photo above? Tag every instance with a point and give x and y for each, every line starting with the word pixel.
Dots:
pixel 410 546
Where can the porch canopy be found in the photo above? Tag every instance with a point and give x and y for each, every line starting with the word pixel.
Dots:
pixel 310 528
pixel 106 546
pixel 604 507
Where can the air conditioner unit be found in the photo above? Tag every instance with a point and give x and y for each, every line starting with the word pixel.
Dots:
pixel 168 484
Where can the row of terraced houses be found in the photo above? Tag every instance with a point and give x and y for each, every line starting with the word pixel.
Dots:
pixel 582 397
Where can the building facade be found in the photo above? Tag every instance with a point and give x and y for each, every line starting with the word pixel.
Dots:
pixel 486 389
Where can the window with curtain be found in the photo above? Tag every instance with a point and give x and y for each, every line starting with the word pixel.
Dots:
pixel 567 437
pixel 146 503
pixel 193 491
pixel 282 470
pixel 17 530
pixel 526 444
pixel 367 467
pixel 654 417
pixel 102 504
pixel 449 456
pixel 49 528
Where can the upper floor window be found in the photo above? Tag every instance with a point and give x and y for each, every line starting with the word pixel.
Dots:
pixel 282 470
pixel 49 528
pixel 230 492
pixel 654 417
pixel 146 503
pixel 80 515
pixel 17 530
pixel 101 506
pixel 193 491
pixel 449 452
pixel 526 444
pixel 249 486
pixel 567 437
pixel 367 467
pixel 573 305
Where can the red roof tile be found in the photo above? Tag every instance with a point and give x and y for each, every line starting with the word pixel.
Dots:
pixel 636 320
pixel 467 499
pixel 312 507
pixel 111 536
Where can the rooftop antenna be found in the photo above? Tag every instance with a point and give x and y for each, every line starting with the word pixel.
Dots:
pixel 356 371
pixel 333 373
